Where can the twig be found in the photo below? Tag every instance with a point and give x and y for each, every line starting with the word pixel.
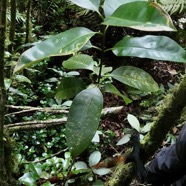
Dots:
pixel 30 125
pixel 44 159
pixel 32 109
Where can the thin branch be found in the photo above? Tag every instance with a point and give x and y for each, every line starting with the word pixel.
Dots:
pixel 33 125
pixel 44 159
pixel 33 109
pixel 106 112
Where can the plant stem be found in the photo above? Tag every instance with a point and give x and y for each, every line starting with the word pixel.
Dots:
pixel 3 4
pixel 102 54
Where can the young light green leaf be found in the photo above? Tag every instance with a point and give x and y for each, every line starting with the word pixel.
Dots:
pixel 94 158
pixel 141 15
pixel 102 171
pixel 69 87
pixel 83 120
pixel 146 128
pixel 88 4
pixel 36 169
pixel 112 89
pixel 8 83
pixel 28 179
pixel 153 47
pixel 96 138
pixel 80 61
pixel 133 121
pixel 22 78
pixel 110 6
pixel 124 139
pixel 80 165
pixel 136 78
pixel 65 43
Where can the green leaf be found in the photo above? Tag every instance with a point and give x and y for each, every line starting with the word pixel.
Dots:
pixel 69 87
pixel 110 6
pixel 80 61
pixel 153 47
pixel 80 165
pixel 83 120
pixel 88 4
pixel 96 138
pixel 135 78
pixel 124 139
pixel 133 121
pixel 36 169
pixel 65 43
pixel 101 171
pixel 8 83
pixel 141 15
pixel 94 158
pixel 104 71
pixel 112 89
pixel 28 179
pixel 22 78
pixel 47 184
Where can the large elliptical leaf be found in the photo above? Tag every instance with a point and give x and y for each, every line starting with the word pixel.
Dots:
pixel 136 78
pixel 80 61
pixel 88 4
pixel 65 43
pixel 153 47
pixel 141 15
pixel 83 120
pixel 110 6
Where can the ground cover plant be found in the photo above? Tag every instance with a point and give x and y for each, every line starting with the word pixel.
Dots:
pixel 86 109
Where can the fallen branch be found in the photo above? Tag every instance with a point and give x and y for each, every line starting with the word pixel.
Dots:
pixel 25 109
pixel 39 124
pixel 35 125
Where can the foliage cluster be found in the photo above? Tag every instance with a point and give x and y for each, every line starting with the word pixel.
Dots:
pixel 74 45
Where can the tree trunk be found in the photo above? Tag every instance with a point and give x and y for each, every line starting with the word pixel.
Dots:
pixel 28 22
pixel 12 25
pixel 3 4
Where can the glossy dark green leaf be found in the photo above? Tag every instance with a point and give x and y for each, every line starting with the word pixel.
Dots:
pixel 80 61
pixel 65 43
pixel 136 78
pixel 112 89
pixel 141 15
pixel 83 120
pixel 69 87
pixel 153 47
pixel 110 6
pixel 88 4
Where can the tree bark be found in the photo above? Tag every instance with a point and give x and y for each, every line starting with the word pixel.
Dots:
pixel 3 4
pixel 28 22
pixel 12 25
